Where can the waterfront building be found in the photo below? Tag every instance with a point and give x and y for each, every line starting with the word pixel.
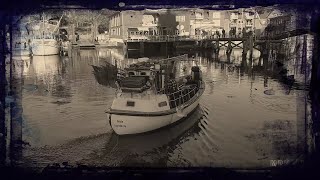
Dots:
pixel 179 22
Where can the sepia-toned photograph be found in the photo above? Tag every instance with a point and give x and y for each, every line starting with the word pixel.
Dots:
pixel 160 87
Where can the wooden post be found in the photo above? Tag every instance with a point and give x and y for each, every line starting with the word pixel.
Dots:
pixel 73 33
pixel 141 49
pixel 265 54
pixel 229 51
pixel 244 52
pixel 251 46
pixel 70 49
pixel 217 48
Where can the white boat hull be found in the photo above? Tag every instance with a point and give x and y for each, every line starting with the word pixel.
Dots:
pixel 45 50
pixel 128 124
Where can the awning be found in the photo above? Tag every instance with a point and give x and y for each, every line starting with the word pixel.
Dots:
pixel 133 29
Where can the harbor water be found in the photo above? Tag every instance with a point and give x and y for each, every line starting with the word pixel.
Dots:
pixel 248 117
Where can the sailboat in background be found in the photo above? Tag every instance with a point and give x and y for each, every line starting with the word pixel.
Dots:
pixel 45 38
pixel 20 47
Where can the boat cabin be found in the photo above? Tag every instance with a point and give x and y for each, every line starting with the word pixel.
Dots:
pixel 137 78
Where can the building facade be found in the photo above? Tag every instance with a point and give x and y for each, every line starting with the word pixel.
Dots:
pixel 181 22
pixel 248 20
pixel 206 22
pixel 242 19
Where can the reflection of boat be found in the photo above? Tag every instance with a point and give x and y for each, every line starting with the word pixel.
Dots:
pixel 45 64
pixel 105 75
pixel 170 135
pixel 144 103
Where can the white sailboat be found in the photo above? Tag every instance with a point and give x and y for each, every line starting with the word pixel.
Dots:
pixel 45 41
pixel 144 101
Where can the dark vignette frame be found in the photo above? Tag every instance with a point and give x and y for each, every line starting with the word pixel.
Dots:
pixel 309 170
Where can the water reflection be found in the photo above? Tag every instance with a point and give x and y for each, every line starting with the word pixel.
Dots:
pixel 249 115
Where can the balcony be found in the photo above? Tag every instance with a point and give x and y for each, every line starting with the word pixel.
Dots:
pixel 149 24
pixel 234 16
pixel 232 24
pixel 198 17
pixel 249 15
pixel 249 24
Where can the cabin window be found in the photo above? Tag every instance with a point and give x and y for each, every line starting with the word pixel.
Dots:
pixel 143 73
pixel 131 73
pixel 164 103
pixel 130 103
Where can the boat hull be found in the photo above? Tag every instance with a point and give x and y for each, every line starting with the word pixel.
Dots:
pixel 45 50
pixel 131 124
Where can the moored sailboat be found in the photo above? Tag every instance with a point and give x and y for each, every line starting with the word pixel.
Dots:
pixel 45 38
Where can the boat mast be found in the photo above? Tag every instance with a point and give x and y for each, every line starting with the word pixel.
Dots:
pixel 43 32
pixel 58 24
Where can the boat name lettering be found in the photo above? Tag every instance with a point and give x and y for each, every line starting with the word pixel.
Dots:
pixel 120 126
pixel 119 121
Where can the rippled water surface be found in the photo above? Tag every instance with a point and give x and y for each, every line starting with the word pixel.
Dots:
pixel 245 118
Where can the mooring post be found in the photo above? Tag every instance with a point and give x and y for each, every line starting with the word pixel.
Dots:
pixel 229 50
pixel 217 48
pixel 251 46
pixel 69 49
pixel 244 52
pixel 141 49
pixel 265 55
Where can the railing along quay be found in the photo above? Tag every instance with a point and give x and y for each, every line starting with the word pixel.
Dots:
pixel 171 38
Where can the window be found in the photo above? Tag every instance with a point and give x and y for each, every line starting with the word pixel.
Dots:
pixel 180 18
pixel 131 73
pixel 130 103
pixel 142 73
pixel 216 15
pixel 161 104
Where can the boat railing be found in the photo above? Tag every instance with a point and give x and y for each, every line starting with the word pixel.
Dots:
pixel 181 57
pixel 182 96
